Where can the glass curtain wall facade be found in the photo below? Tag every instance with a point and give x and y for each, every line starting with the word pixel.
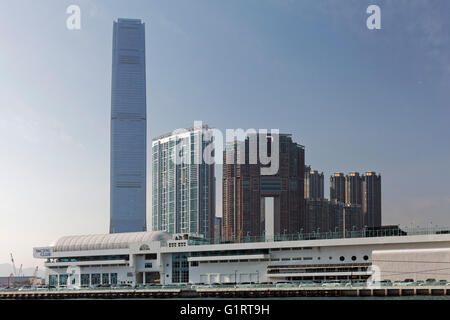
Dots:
pixel 183 190
pixel 128 128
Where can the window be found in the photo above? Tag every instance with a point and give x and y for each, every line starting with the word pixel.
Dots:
pixel 150 256
pixel 366 257
pixel 113 278
pixel 85 279
pixel 95 278
pixel 342 258
pixel 180 268
pixel 194 264
pixel 353 258
pixel 53 279
pixel 105 278
pixel 63 279
pixel 148 265
pixel 144 247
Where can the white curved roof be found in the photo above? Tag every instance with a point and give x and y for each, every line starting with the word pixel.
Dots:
pixel 107 241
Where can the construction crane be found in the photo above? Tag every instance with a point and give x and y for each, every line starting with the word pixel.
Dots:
pixel 20 271
pixel 13 265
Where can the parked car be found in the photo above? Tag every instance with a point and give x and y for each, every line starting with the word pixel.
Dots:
pixel 387 283
pixel 335 283
pixel 41 288
pixel 403 283
pixel 284 284
pixel 265 284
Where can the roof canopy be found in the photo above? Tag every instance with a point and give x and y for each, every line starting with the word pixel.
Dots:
pixel 108 241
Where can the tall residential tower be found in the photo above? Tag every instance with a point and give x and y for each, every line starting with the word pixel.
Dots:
pixel 337 187
pixel 255 204
pixel 371 199
pixel 183 183
pixel 128 128
pixel 313 184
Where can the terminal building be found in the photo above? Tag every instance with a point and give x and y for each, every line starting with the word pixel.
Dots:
pixel 159 257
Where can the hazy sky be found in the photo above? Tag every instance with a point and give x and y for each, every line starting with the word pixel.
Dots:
pixel 358 99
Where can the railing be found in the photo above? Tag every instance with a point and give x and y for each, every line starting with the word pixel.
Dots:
pixel 364 233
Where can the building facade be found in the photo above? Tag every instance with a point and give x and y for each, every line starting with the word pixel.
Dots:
pixel 353 188
pixel 352 218
pixel 337 187
pixel 317 216
pixel 255 204
pixel 158 257
pixel 218 230
pixel 314 188
pixel 128 128
pixel 371 202
pixel 183 185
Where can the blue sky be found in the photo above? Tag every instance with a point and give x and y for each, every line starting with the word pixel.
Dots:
pixel 358 99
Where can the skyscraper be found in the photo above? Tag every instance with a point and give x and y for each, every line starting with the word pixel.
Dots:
pixel 353 188
pixel 184 188
pixel 128 128
pixel 337 187
pixel 317 217
pixel 313 184
pixel 254 203
pixel 352 218
pixel 371 204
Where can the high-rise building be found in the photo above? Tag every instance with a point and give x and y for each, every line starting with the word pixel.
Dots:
pixel 255 204
pixel 128 128
pixel 337 187
pixel 352 217
pixel 371 203
pixel 183 183
pixel 336 216
pixel 353 188
pixel 313 184
pixel 317 217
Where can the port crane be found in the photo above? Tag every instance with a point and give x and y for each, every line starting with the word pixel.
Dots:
pixel 13 265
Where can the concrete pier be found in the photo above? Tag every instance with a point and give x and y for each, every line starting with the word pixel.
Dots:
pixel 217 292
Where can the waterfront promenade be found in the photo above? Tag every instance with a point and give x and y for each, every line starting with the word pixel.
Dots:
pixel 215 292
